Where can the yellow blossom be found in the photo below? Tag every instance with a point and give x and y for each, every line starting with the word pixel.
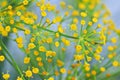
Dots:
pixel 97 57
pixel 35 70
pixel 75 13
pixel 18 13
pixel 110 48
pixel 78 48
pixel 43 8
pixel 73 27
pixel 19 78
pixel 83 14
pixel 60 63
pixel 43 13
pixel 87 74
pixel 19 40
pixel 57 44
pixel 81 6
pixel 113 40
pixel 82 22
pixel 14 30
pixel 6 76
pixel 7 28
pixel 62 70
pixel 94 20
pixel 31 46
pixel 36 53
pixel 28 73
pixel 62 4
pixel 2 58
pixel 38 58
pixel 93 72
pixel 51 78
pixel 10 7
pixel 56 35
pixel 26 60
pixel 27 31
pixel 115 63
pixel 4 33
pixel 25 2
pixel 42 49
pixel 102 69
pixel 79 57
pixel 49 40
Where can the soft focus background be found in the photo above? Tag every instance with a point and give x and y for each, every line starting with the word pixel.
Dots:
pixel 113 6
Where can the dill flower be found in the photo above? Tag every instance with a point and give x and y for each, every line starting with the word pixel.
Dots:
pixel 2 58
pixel 6 76
pixel 49 39
pixel 28 73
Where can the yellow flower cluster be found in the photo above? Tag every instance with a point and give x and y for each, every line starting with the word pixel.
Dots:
pixel 47 39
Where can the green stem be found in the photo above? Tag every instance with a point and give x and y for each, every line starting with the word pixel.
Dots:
pixel 62 34
pixel 8 59
pixel 18 69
